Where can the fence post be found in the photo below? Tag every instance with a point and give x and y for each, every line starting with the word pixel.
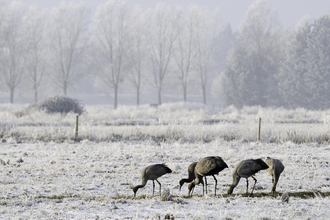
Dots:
pixel 76 135
pixel 259 129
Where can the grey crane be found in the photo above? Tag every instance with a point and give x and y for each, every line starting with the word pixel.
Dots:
pixel 152 172
pixel 207 166
pixel 191 175
pixel 275 169
pixel 245 169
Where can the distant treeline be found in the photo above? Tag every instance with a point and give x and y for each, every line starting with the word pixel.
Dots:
pixel 167 49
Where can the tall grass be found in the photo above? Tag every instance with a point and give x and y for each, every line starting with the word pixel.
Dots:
pixel 184 122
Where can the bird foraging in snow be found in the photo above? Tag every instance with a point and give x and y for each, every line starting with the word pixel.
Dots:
pixel 152 172
pixel 246 169
pixel 275 169
pixel 208 166
pixel 191 176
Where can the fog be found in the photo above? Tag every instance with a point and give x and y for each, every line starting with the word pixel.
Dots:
pixel 232 12
pixel 205 77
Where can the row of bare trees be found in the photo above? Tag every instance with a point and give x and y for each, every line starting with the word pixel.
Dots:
pixel 119 45
pixel 147 46
pixel 39 44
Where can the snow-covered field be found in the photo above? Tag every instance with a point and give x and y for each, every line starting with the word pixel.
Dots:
pixel 92 179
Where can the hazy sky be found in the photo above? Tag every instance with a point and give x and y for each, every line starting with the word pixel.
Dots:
pixel 232 11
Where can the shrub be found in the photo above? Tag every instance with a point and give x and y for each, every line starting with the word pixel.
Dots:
pixel 57 104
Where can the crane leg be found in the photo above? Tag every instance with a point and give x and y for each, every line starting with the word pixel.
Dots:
pixel 205 186
pixel 153 188
pixel 255 181
pixel 247 186
pixel 160 188
pixel 215 185
pixel 191 191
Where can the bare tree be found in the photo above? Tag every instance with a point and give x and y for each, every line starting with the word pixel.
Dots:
pixel 36 59
pixel 67 39
pixel 13 47
pixel 184 52
pixel 110 43
pixel 207 29
pixel 137 51
pixel 161 38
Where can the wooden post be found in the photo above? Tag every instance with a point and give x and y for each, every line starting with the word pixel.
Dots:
pixel 76 135
pixel 259 129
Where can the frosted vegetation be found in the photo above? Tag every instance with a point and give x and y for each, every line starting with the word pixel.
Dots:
pixel 169 122
pixel 56 104
pixel 45 174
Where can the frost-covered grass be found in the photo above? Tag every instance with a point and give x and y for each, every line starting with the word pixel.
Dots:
pixel 89 180
pixel 46 175
pixel 185 122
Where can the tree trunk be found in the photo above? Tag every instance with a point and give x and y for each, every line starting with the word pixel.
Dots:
pixel 138 96
pixel 204 95
pixel 12 95
pixel 65 87
pixel 116 97
pixel 185 94
pixel 35 95
pixel 159 95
